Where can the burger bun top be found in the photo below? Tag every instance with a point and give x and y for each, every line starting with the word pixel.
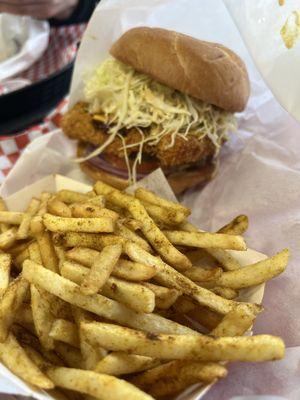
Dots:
pixel 206 71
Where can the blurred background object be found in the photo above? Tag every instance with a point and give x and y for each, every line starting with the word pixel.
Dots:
pixel 40 73
pixel 271 32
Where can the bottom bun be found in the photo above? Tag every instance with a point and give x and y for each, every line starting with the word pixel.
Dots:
pixel 179 181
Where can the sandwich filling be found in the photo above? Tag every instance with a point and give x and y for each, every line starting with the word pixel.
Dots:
pixel 121 99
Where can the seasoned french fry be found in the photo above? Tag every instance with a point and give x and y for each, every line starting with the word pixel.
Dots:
pixel 131 223
pixel 20 258
pixel 191 347
pixel 18 248
pixel 11 217
pixel 97 201
pixel 201 257
pixel 236 322
pixel 175 376
pixel 133 271
pixel 28 339
pixel 157 239
pixel 237 226
pixel 69 354
pixel 60 253
pixel 24 316
pixel 169 277
pixel 113 195
pixel 124 268
pixel 227 293
pixel 133 295
pixel 101 269
pixel 150 197
pixel 149 229
pixel 118 363
pixel 3 227
pixel 25 336
pixel 41 305
pixel 198 274
pixel 91 355
pixel 69 196
pixel 24 228
pixel 188 227
pixel 5 265
pixel 90 225
pixel 59 208
pixel 255 274
pixel 87 210
pixel 47 251
pixel 164 297
pixel 164 216
pixel 102 306
pixel 91 194
pixel 228 262
pixel 205 317
pixel 36 226
pixel 127 234
pixel 100 386
pixel 206 240
pixel 65 331
pixel 91 240
pixel 10 302
pixel 34 253
pixel 44 198
pixel 183 305
pixel 8 238
pixel 82 255
pixel 44 239
pixel 15 358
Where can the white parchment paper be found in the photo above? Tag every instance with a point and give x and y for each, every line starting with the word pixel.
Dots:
pixel 259 174
pixel 260 23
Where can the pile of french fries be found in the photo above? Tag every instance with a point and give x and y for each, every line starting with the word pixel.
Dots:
pixel 101 295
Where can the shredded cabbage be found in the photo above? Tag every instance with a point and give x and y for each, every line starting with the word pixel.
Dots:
pixel 124 98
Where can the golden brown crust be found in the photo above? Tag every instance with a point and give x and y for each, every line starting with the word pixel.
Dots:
pixel 78 124
pixel 183 151
pixel 207 71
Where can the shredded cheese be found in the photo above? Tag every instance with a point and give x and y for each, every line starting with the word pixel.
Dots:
pixel 124 98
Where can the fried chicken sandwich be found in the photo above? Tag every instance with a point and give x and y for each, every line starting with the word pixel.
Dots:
pixel 163 99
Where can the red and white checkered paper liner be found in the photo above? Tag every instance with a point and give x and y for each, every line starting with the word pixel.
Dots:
pixel 60 52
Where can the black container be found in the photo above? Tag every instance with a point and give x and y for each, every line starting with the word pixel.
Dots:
pixel 28 106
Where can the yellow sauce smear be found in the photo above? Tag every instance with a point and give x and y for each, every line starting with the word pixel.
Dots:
pixel 281 2
pixel 290 32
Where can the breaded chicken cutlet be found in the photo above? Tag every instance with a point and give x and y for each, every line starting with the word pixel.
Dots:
pixel 79 124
